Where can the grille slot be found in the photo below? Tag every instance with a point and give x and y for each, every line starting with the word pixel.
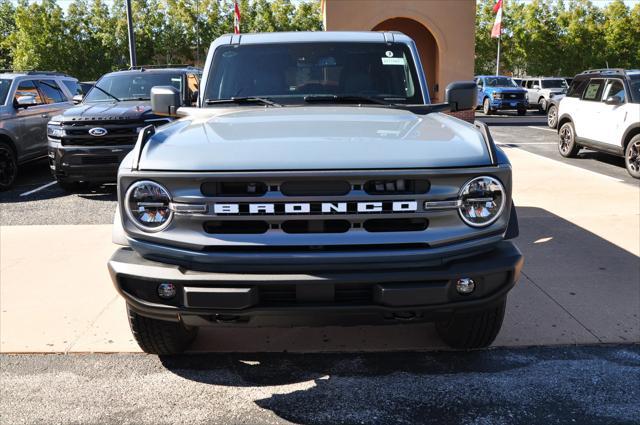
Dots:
pixel 266 249
pixel 395 225
pixel 397 187
pixel 233 188
pixel 315 188
pixel 236 227
pixel 280 295
pixel 316 226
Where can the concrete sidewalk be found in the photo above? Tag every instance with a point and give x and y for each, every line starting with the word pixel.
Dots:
pixel 580 233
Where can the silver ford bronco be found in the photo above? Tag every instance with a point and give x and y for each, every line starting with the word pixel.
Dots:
pixel 314 183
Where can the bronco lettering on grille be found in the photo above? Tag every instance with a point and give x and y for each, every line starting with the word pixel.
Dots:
pixel 317 208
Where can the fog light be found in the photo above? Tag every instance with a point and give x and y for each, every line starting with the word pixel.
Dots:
pixel 166 290
pixel 465 286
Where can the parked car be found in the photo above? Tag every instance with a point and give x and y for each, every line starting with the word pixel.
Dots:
pixel 315 181
pixel 541 89
pixel 601 111
pixel 496 92
pixel 87 142
pixel 27 100
pixel 552 110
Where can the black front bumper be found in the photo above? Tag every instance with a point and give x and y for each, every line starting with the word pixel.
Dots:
pixel 210 298
pixel 86 163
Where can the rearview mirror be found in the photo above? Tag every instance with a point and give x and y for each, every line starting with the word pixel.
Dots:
pixel 461 95
pixel 26 101
pixel 165 100
pixel 613 100
pixel 77 98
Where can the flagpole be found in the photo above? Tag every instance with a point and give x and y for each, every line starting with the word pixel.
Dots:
pixel 498 58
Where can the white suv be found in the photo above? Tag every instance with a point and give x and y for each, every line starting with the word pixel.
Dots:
pixel 541 90
pixel 601 111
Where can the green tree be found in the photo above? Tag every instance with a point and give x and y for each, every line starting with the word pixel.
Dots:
pixel 7 27
pixel 620 36
pixel 39 40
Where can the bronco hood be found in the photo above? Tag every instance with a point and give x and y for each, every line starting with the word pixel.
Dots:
pixel 126 110
pixel 313 138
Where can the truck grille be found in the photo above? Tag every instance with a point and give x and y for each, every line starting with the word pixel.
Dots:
pixel 119 133
pixel 513 96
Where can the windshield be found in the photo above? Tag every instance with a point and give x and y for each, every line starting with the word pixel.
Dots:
pixel 132 86
pixel 554 84
pixel 501 82
pixel 290 72
pixel 5 85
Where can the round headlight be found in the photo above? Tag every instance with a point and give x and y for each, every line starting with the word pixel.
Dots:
pixel 481 201
pixel 147 205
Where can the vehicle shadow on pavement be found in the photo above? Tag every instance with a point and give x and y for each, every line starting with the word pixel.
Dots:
pixel 520 386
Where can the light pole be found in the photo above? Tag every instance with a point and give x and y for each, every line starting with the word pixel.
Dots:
pixel 132 37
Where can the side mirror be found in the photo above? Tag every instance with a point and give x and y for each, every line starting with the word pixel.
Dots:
pixel 536 87
pixel 461 95
pixel 26 101
pixel 165 100
pixel 77 99
pixel 613 100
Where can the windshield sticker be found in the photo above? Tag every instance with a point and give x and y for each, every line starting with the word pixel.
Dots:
pixel 393 61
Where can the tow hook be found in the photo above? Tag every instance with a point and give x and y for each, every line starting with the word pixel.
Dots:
pixel 221 318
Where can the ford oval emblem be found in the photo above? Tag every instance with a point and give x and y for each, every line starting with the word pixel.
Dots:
pixel 98 131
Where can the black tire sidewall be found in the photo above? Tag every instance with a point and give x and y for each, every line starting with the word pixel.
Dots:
pixel 6 148
pixel 627 154
pixel 573 148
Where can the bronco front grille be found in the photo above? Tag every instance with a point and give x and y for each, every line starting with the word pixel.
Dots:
pixel 118 133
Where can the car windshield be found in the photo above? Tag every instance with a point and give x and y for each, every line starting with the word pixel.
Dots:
pixel 501 82
pixel 5 85
pixel 291 73
pixel 132 86
pixel 554 84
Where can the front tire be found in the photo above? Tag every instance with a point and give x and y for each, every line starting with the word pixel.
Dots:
pixel 472 330
pixel 159 336
pixel 486 107
pixel 632 157
pixel 542 104
pixel 567 145
pixel 552 116
pixel 8 166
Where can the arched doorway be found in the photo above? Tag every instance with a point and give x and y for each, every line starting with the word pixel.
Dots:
pixel 427 47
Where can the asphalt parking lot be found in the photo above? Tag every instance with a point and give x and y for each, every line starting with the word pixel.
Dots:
pixel 567 367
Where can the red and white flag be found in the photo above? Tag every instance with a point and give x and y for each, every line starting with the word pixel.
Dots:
pixel 497 25
pixel 236 18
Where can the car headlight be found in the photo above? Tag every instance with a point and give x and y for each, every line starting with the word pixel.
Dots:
pixel 55 130
pixel 497 95
pixel 147 204
pixel 482 200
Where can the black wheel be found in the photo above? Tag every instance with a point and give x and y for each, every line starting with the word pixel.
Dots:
pixel 472 330
pixel 567 145
pixel 8 166
pixel 486 107
pixel 542 104
pixel 159 336
pixel 632 157
pixel 71 186
pixel 552 116
pixel 522 111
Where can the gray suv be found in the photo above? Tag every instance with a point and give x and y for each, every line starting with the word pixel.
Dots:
pixel 27 101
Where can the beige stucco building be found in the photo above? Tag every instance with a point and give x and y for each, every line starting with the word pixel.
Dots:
pixel 442 29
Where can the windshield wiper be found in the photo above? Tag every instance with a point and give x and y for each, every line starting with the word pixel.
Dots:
pixel 241 100
pixel 107 93
pixel 333 98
